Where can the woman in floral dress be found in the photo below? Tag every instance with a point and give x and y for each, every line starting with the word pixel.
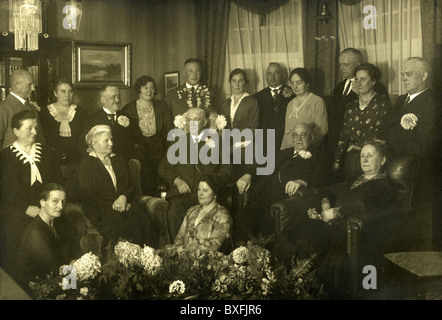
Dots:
pixel 206 226
pixel 363 120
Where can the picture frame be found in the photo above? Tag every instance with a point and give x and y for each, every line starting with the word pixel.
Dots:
pixel 171 80
pixel 95 64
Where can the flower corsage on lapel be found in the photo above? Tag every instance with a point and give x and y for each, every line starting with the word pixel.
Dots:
pixel 409 121
pixel 123 121
pixel 304 154
pixel 287 92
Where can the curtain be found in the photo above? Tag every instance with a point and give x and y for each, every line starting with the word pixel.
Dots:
pixel 253 43
pixel 320 56
pixel 431 11
pixel 398 35
pixel 211 36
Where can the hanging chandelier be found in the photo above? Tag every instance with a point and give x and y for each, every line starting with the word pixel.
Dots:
pixel 25 21
pixel 74 11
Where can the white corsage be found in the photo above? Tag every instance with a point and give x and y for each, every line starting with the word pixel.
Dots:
pixel 219 123
pixel 210 143
pixel 123 121
pixel 287 92
pixel 305 154
pixel 313 214
pixel 409 121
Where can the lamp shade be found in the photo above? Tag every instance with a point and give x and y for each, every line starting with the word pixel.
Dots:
pixel 74 11
pixel 25 21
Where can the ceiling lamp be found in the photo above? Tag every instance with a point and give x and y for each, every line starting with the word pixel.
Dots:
pixel 25 21
pixel 324 16
pixel 73 10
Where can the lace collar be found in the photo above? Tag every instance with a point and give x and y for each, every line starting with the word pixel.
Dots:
pixel 32 158
pixel 65 129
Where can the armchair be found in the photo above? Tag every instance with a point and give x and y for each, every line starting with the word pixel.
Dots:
pixel 91 240
pixel 370 236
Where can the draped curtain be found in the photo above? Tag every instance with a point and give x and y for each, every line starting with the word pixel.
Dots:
pixel 211 36
pixel 256 40
pixel 398 35
pixel 431 11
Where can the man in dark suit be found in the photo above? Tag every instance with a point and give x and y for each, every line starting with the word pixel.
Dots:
pixel 273 101
pixel 344 93
pixel 22 86
pixel 303 165
pixel 126 134
pixel 183 177
pixel 192 93
pixel 413 139
pixel 411 130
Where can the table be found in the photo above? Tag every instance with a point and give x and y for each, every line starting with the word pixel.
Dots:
pixel 422 269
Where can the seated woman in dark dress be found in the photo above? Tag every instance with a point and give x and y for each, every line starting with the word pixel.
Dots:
pixel 44 245
pixel 318 219
pixel 108 194
pixel 154 120
pixel 25 166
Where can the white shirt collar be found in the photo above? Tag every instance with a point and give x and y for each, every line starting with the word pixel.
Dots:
pixel 412 96
pixel 188 86
pixel 93 154
pixel 19 98
pixel 199 136
pixel 107 111
pixel 245 94
pixel 277 88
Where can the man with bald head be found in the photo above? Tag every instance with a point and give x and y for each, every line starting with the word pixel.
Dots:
pixel 304 164
pixel 272 102
pixel 183 177
pixel 22 86
pixel 413 139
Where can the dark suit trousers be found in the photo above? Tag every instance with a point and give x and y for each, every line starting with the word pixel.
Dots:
pixel 178 206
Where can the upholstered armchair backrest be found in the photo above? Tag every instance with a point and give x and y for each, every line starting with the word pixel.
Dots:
pixel 403 170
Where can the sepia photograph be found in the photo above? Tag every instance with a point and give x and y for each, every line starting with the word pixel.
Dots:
pixel 221 158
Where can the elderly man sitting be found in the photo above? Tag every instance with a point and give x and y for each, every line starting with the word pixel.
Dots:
pixel 303 165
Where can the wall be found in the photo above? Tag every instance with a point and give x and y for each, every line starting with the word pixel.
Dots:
pixel 162 34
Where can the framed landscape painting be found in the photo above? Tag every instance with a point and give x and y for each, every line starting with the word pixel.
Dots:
pixel 95 64
pixel 171 80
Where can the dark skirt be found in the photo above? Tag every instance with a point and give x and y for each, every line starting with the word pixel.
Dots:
pixel 134 225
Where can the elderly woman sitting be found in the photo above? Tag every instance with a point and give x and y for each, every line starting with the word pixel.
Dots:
pixel 318 220
pixel 25 166
pixel 207 225
pixel 108 194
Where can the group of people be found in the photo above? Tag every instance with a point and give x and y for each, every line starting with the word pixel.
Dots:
pixel 339 149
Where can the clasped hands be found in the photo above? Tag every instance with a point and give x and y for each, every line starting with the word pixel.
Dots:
pixel 121 204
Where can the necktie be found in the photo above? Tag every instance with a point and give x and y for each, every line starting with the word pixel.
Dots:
pixel 112 118
pixel 193 93
pixel 275 93
pixel 28 105
pixel 348 89
pixel 407 100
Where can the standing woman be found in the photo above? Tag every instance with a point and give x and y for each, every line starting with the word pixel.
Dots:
pixel 241 111
pixel 306 107
pixel 155 121
pixel 363 120
pixel 62 123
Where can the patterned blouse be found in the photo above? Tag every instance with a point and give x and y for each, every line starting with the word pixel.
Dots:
pixel 207 234
pixel 146 115
pixel 362 125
